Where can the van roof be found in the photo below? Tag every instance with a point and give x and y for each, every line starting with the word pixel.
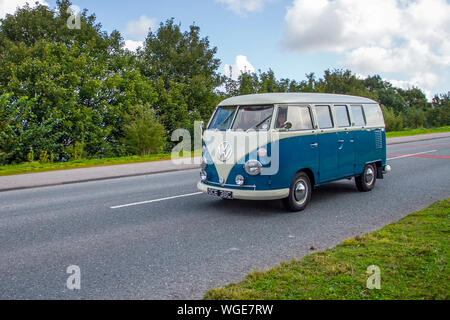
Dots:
pixel 276 98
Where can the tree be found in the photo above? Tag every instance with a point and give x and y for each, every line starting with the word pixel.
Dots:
pixel 415 118
pixel 439 114
pixel 391 97
pixel 183 67
pixel 342 82
pixel 21 130
pixel 376 83
pixel 144 135
pixel 268 82
pixel 82 78
pixel 415 98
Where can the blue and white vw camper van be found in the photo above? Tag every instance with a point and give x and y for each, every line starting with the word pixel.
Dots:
pixel 281 145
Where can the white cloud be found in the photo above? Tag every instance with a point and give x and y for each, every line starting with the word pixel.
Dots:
pixel 10 6
pixel 314 25
pixel 242 7
pixel 133 45
pixel 408 84
pixel 241 65
pixel 138 29
pixel 405 37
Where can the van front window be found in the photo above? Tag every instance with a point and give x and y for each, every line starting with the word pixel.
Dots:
pixel 222 118
pixel 253 118
pixel 247 118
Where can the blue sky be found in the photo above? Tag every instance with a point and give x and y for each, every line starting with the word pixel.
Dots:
pixel 405 41
pixel 256 35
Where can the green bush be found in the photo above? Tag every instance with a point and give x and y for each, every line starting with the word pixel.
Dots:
pixel 76 151
pixel 393 121
pixel 43 157
pixel 144 135
pixel 415 118
pixel 30 155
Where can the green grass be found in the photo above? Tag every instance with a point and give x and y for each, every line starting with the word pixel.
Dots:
pixel 29 167
pixel 415 132
pixel 412 255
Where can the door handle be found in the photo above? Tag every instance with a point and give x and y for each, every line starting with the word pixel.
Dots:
pixel 314 145
pixel 341 141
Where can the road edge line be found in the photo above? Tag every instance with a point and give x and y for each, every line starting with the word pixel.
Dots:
pixel 97 179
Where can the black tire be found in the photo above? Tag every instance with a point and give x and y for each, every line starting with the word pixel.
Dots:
pixel 298 201
pixel 366 181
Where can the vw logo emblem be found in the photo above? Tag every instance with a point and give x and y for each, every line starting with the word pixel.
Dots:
pixel 224 151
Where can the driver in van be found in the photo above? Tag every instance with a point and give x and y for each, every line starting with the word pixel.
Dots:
pixel 281 119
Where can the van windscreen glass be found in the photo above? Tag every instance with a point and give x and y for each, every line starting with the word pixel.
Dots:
pixel 253 118
pixel 222 118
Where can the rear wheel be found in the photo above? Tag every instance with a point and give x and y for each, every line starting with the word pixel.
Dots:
pixel 366 181
pixel 299 193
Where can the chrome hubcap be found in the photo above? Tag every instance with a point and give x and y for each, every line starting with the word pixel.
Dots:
pixel 301 191
pixel 369 176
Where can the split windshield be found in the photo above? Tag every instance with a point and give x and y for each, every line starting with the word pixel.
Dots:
pixel 245 118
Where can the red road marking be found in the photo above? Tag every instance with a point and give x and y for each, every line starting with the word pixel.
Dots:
pixel 426 145
pixel 435 156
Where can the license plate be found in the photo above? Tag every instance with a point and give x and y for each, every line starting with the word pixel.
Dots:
pixel 220 193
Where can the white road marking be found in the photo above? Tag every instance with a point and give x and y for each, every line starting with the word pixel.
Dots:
pixel 411 155
pixel 232 250
pixel 156 200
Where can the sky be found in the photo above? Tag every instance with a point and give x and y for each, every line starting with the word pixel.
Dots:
pixel 406 42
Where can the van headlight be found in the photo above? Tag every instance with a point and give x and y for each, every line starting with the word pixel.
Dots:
pixel 239 180
pixel 253 167
pixel 203 175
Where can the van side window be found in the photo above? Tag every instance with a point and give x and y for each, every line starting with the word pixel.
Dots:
pixel 300 117
pixel 324 117
pixel 374 115
pixel 341 114
pixel 358 116
pixel 281 117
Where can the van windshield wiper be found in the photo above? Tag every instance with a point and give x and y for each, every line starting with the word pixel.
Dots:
pixel 257 125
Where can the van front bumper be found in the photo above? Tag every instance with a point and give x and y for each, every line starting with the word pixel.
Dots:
pixel 248 194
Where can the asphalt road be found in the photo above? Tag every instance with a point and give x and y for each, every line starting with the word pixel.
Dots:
pixel 176 248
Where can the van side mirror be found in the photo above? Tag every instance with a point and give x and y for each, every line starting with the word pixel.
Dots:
pixel 287 125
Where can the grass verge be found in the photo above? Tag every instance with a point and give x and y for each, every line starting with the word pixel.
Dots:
pixel 30 167
pixel 415 132
pixel 412 255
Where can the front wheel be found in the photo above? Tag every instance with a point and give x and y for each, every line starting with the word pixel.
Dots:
pixel 366 181
pixel 299 193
